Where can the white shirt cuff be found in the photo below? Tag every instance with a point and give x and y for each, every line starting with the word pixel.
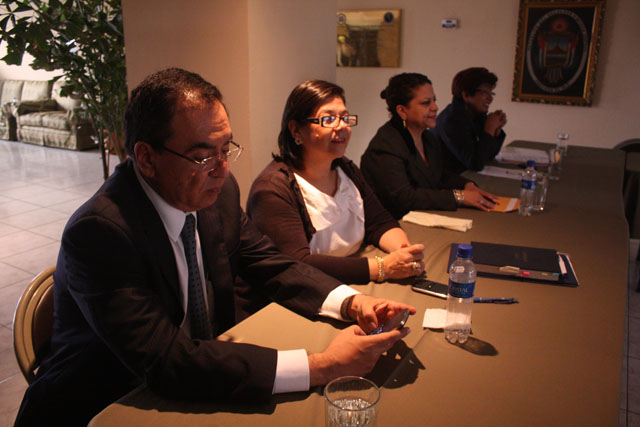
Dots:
pixel 292 372
pixel 292 368
pixel 333 302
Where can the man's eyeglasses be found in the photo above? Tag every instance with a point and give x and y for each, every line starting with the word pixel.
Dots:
pixel 210 164
pixel 334 121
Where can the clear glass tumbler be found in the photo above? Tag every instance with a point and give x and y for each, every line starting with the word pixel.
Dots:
pixel 351 401
pixel 555 163
pixel 562 143
pixel 540 193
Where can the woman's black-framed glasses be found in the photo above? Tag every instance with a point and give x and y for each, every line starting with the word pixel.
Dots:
pixel 334 121
pixel 210 164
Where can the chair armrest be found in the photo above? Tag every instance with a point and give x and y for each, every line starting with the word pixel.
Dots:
pixel 78 116
pixel 6 109
pixel 26 107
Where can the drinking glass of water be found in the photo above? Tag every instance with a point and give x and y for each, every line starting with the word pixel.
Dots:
pixel 540 193
pixel 555 163
pixel 351 401
pixel 562 143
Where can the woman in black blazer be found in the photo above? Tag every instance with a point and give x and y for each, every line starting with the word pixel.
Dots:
pixel 403 162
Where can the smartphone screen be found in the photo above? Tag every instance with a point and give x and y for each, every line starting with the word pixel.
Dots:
pixel 430 287
pixel 396 322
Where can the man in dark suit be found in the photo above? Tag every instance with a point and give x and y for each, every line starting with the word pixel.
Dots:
pixel 133 306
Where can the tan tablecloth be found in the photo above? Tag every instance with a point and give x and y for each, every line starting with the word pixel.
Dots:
pixel 553 359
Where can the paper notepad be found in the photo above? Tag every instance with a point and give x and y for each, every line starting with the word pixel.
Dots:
pixel 506 204
pixel 520 155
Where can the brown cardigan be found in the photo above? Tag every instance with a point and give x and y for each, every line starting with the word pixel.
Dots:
pixel 277 208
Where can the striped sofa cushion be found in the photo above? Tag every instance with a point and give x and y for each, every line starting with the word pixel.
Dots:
pixel 36 90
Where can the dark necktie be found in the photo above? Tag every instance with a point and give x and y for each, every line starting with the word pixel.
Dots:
pixel 196 307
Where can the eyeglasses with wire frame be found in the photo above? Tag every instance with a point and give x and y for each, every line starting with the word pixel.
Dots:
pixel 334 121
pixel 210 164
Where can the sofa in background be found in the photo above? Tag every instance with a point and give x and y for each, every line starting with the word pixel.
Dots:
pixel 10 94
pixel 36 113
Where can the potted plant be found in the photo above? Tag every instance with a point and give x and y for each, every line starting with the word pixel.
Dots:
pixel 85 40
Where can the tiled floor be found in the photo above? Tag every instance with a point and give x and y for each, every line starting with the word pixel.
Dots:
pixel 40 188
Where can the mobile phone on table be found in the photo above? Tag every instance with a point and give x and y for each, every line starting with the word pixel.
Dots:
pixel 396 322
pixel 429 287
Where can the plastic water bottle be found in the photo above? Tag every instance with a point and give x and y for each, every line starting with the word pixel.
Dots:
pixel 528 188
pixel 462 282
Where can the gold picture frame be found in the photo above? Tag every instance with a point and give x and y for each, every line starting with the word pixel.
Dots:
pixel 368 38
pixel 557 51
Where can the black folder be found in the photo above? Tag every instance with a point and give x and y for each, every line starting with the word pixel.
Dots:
pixel 520 263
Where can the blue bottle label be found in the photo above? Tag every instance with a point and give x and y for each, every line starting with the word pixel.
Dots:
pixel 528 185
pixel 461 290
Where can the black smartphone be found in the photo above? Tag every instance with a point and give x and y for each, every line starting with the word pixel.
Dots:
pixel 430 287
pixel 396 322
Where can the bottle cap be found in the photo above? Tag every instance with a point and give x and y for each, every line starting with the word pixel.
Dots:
pixel 465 251
pixel 531 163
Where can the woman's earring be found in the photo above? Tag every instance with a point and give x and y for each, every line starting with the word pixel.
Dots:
pixel 298 141
pixel 404 123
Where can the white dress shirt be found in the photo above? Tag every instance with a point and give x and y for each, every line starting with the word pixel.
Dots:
pixel 292 368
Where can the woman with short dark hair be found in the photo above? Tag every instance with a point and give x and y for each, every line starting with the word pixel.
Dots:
pixel 314 203
pixel 403 162
pixel 471 134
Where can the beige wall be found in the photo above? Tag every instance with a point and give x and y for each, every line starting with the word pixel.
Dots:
pixel 487 37
pixel 284 50
pixel 206 37
pixel 255 51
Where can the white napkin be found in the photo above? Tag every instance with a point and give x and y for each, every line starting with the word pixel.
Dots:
pixel 433 220
pixel 434 318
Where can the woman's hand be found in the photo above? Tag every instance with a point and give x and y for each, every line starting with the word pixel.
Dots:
pixel 478 198
pixel 404 262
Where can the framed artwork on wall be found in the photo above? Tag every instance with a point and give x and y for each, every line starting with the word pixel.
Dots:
pixel 557 51
pixel 368 38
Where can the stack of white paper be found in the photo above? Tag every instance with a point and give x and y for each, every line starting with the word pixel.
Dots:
pixel 521 155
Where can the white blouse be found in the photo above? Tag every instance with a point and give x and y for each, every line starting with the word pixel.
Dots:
pixel 338 220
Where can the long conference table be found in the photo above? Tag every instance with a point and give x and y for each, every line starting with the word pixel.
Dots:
pixel 555 358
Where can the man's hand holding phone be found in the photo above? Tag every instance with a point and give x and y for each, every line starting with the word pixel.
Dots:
pixel 396 322
pixel 371 312
pixel 353 351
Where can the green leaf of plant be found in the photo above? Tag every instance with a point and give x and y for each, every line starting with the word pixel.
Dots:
pixel 13 58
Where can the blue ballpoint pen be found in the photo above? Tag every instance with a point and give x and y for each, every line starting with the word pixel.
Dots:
pixel 496 300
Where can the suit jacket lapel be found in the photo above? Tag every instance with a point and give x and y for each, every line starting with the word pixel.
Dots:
pixel 156 237
pixel 434 146
pixel 429 179
pixel 426 172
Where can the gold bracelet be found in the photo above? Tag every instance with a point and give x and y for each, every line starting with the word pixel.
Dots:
pixel 380 268
pixel 459 195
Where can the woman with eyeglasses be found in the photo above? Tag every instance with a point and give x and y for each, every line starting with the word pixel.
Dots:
pixel 314 203
pixel 471 134
pixel 403 162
